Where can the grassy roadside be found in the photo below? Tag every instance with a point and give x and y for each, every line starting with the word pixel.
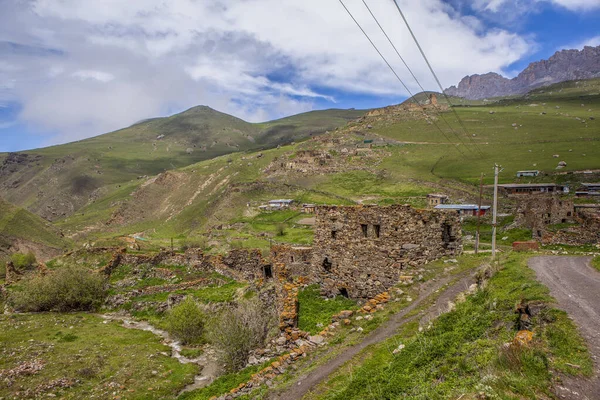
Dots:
pixel 463 353
pixel 596 263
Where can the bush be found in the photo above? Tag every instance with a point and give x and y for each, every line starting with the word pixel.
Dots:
pixel 186 322
pixel 24 261
pixel 239 330
pixel 280 230
pixel 198 243
pixel 67 288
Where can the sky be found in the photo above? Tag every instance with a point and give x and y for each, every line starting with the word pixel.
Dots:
pixel 72 69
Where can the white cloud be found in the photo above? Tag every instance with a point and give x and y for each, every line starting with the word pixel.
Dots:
pixel 93 75
pixel 593 42
pixel 114 62
pixel 518 6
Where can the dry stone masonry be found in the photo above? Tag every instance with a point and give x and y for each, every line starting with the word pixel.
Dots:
pixel 360 251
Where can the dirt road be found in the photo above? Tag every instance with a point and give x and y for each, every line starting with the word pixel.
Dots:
pixel 307 382
pixel 576 287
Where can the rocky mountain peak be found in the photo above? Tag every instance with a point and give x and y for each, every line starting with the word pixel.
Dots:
pixel 563 66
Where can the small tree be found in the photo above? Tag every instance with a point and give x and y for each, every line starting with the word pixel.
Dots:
pixel 186 322
pixel 239 330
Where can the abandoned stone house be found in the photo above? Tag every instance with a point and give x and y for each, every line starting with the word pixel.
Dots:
pixel 538 212
pixel 359 251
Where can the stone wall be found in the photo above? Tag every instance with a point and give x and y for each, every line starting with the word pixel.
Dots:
pixel 239 264
pixel 360 251
pixel 290 261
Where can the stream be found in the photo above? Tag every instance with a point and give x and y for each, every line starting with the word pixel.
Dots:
pixel 207 360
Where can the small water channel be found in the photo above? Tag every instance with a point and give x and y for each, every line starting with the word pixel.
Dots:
pixel 207 360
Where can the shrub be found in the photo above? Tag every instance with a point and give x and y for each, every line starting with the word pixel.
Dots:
pixel 280 230
pixel 186 322
pixel 23 261
pixel 239 330
pixel 64 289
pixel 198 243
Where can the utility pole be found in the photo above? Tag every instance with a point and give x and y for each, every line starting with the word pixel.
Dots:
pixel 479 214
pixel 496 172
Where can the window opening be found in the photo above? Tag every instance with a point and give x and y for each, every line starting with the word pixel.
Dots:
pixel 327 264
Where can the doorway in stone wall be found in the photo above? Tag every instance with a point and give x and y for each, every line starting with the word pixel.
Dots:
pixel 268 272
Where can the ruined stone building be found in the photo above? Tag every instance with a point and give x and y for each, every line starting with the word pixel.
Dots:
pixel 537 212
pixel 359 251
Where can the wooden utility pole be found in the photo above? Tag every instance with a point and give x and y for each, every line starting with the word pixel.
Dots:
pixel 496 172
pixel 479 214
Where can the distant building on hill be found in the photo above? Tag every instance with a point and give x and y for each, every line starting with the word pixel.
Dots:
pixel 464 209
pixel 530 173
pixel 433 199
pixel 280 203
pixel 532 188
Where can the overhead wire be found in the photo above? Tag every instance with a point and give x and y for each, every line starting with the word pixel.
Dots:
pixel 412 74
pixel 435 76
pixel 394 71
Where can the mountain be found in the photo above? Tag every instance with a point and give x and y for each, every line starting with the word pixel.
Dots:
pixel 565 65
pixel 393 155
pixel 22 231
pixel 55 182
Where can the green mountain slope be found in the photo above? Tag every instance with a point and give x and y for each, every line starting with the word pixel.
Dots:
pixel 56 181
pixel 21 230
pixel 409 158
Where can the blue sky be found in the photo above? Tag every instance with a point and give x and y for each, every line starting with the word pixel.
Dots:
pixel 72 69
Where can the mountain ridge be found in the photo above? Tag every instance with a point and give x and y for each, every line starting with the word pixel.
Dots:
pixel 564 65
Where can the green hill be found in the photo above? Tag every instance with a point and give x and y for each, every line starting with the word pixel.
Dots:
pixel 409 158
pixel 21 230
pixel 56 181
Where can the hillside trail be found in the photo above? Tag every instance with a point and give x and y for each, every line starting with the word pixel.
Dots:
pixel 576 287
pixel 307 382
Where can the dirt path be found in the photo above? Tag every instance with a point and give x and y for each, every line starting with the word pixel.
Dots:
pixel 306 383
pixel 576 287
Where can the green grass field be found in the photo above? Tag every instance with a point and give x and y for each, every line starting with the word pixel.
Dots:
pixel 96 359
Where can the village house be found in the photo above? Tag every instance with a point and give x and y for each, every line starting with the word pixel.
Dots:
pixel 280 204
pixel 532 188
pixel 309 208
pixel 530 173
pixel 588 189
pixel 464 210
pixel 433 199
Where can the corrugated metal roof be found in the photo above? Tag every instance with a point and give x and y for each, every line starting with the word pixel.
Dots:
pixel 281 201
pixel 460 207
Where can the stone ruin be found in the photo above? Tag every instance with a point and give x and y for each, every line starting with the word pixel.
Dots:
pixel 361 251
pixel 539 212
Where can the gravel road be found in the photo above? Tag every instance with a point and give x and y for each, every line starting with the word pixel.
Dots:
pixel 576 287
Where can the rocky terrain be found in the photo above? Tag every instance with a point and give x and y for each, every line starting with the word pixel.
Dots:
pixel 564 65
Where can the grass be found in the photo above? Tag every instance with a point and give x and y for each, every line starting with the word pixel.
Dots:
pixel 596 263
pixel 105 359
pixel 315 312
pixel 16 223
pixel 463 354
pixel 223 384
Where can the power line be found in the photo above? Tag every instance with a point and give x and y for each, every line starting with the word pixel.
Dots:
pixel 435 75
pixel 411 72
pixel 392 69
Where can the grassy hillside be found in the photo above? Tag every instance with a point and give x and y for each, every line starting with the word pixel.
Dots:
pixel 218 199
pixel 56 181
pixel 26 231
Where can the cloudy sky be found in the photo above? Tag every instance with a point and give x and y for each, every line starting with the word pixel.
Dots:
pixel 71 69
